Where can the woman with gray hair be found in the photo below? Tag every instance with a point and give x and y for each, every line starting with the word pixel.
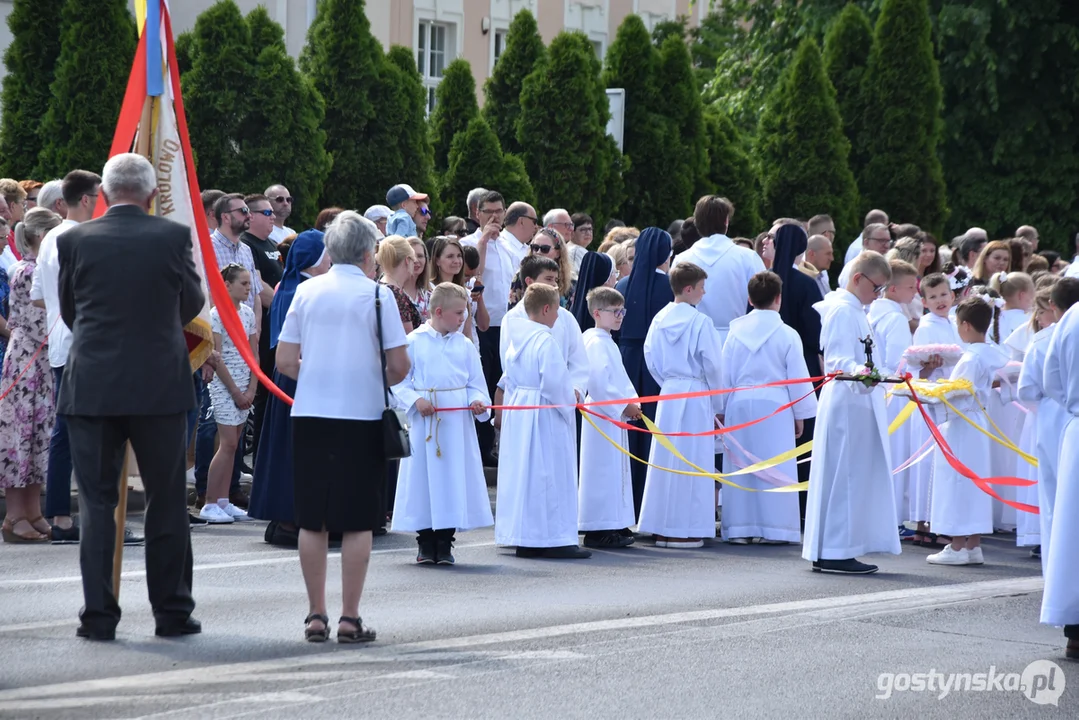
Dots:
pixel 330 345
pixel 28 411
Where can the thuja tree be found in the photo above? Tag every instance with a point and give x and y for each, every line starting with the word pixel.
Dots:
pixel 411 138
pixel 343 60
pixel 801 151
pixel 524 48
pixel 731 173
pixel 283 140
pixel 97 39
pixel 902 119
pixel 686 148
pixel 30 60
pixel 847 47
pixel 631 64
pixel 217 95
pixel 455 106
pixel 477 160
pixel 561 142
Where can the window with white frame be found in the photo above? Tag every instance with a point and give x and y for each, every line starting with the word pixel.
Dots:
pixel 500 44
pixel 431 56
pixel 597 45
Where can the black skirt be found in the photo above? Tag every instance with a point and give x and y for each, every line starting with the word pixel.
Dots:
pixel 339 474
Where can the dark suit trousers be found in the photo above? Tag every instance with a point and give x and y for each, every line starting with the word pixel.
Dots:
pixel 97 451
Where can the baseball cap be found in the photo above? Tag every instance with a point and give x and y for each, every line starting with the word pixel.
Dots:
pixel 399 193
pixel 377 212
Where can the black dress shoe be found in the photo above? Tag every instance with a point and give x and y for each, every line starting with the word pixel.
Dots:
pixel 849 567
pixel 195 520
pixel 99 634
pixel 65 536
pixel 190 626
pixel 131 538
pixel 564 552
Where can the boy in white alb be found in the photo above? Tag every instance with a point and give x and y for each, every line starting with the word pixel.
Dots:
pixel 891 328
pixel 959 508
pixel 760 349
pixel 441 487
pixel 682 351
pixel 850 510
pixel 605 499
pixel 536 504
pixel 1060 600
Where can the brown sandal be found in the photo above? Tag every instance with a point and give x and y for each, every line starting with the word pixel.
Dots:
pixel 10 536
pixel 361 634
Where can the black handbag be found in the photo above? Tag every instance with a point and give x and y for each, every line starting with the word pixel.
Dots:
pixel 395 442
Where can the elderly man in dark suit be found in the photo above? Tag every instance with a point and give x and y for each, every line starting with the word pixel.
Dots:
pixel 127 287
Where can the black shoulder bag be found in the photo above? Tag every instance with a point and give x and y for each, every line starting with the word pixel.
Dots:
pixel 395 442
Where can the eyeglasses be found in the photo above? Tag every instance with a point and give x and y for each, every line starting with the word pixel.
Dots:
pixel 267 212
pixel 243 210
pixel 31 198
pixel 424 211
pixel 283 199
pixel 617 312
pixel 541 249
pixel 876 288
pixel 530 217
pixel 586 229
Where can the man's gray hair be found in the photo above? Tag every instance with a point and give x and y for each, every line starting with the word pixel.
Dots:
pixel 473 199
pixel 128 176
pixel 351 238
pixel 50 193
pixel 552 215
pixel 875 227
pixel 34 226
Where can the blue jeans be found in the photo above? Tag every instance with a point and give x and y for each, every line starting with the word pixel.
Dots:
pixel 58 475
pixel 204 443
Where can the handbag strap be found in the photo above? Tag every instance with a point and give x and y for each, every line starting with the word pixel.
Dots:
pixel 381 349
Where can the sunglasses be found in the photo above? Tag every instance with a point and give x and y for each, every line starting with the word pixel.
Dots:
pixel 267 212
pixel 245 210
pixel 424 211
pixel 283 199
pixel 541 249
pixel 876 288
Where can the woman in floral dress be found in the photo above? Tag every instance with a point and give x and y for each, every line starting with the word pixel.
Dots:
pixel 27 412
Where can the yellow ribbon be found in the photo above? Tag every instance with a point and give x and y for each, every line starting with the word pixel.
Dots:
pixel 1002 439
pixel 701 472
pixel 902 417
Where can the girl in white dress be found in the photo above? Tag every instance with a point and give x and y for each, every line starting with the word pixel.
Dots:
pixel 959 509
pixel 232 392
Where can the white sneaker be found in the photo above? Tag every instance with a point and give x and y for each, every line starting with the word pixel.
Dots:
pixel 247 478
pixel 213 514
pixel 236 513
pixel 191 476
pixel 948 556
pixel 976 557
pixel 685 544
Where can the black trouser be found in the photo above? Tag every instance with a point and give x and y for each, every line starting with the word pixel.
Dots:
pixel 262 393
pixel 808 426
pixel 98 445
pixel 392 466
pixel 1071 632
pixel 491 362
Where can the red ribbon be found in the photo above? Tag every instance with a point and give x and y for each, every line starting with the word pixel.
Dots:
pixel 982 483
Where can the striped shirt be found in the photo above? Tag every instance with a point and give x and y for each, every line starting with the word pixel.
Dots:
pixel 229 252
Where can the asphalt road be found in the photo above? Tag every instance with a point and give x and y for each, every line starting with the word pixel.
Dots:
pixel 641 633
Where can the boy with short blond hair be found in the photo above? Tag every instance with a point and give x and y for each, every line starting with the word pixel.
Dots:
pixel 682 351
pixel 605 498
pixel 536 504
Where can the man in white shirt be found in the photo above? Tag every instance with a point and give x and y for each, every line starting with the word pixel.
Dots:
pixel 876 237
pixel 80 190
pixel 281 202
pixel 51 196
pixel 872 217
pixel 560 221
pixel 729 266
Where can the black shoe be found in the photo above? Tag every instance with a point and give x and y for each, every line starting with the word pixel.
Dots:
pixel 490 460
pixel 379 532
pixel 280 536
pixel 99 634
pixel 62 536
pixel 607 540
pixel 195 520
pixel 850 567
pixel 426 554
pixel 190 626
pixel 626 532
pixel 444 552
pixel 131 538
pixel 565 552
pixel 1035 552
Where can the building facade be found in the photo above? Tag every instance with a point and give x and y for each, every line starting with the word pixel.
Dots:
pixel 439 31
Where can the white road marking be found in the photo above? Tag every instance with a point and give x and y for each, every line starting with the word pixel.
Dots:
pixel 828 609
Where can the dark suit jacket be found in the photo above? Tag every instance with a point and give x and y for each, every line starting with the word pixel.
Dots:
pixel 127 287
pixel 800 292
